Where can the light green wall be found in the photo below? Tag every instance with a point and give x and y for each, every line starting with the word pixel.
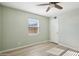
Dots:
pixel 0 28
pixel 69 28
pixel 15 31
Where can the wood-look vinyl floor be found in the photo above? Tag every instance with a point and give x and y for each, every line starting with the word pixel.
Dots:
pixel 35 50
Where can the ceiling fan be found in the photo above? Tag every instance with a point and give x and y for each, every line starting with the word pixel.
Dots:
pixel 51 4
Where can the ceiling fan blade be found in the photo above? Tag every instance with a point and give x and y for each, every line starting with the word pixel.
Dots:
pixel 59 7
pixel 42 4
pixel 48 9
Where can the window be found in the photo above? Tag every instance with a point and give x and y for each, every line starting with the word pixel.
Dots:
pixel 33 26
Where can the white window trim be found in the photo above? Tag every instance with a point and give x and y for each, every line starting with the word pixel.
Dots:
pixel 32 34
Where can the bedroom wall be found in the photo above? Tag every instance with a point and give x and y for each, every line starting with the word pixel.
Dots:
pixel 0 27
pixel 69 29
pixel 15 28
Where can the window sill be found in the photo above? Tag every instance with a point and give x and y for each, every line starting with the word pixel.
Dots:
pixel 33 34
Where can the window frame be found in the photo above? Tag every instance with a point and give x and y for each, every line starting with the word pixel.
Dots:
pixel 34 26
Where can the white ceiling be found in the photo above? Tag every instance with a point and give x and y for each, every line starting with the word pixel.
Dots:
pixel 41 10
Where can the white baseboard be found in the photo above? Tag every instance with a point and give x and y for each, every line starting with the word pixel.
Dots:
pixel 65 45
pixel 22 47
